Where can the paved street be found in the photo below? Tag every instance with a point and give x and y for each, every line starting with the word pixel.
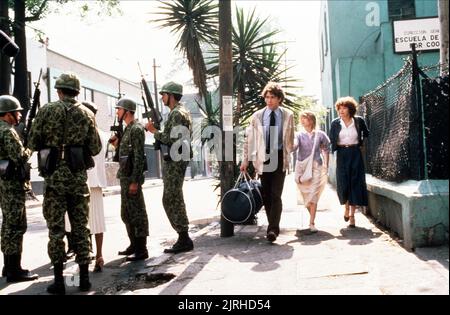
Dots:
pixel 336 260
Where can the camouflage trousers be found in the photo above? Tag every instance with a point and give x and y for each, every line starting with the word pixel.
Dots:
pixel 58 201
pixel 132 211
pixel 14 222
pixel 173 201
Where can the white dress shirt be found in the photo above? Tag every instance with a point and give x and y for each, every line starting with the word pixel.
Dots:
pixel 348 135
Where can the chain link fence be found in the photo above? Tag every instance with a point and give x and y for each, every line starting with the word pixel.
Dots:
pixel 393 112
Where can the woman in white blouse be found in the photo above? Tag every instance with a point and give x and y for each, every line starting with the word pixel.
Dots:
pixel 347 134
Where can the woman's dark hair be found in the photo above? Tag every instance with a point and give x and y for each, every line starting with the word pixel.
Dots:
pixel 348 102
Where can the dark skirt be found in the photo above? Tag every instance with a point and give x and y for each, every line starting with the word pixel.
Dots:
pixel 351 177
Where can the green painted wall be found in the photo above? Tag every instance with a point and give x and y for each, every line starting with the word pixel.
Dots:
pixel 370 47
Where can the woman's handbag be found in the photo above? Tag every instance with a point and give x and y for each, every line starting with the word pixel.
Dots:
pixel 304 169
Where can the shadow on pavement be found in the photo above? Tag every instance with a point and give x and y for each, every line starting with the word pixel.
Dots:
pixel 305 237
pixel 243 247
pixel 358 235
pixel 438 254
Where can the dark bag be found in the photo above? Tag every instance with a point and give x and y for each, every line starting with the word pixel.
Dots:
pixel 5 169
pixel 78 158
pixel 10 171
pixel 125 165
pixel 47 160
pixel 243 201
pixel 165 152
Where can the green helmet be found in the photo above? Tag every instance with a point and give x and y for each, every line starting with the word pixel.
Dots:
pixel 9 103
pixel 68 81
pixel 127 104
pixel 172 88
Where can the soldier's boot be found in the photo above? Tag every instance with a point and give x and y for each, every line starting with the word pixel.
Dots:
pixel 183 244
pixel 130 249
pixel 58 286
pixel 14 273
pixel 85 285
pixel 5 263
pixel 23 271
pixel 141 252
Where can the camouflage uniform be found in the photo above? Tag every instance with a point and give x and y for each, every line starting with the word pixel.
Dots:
pixel 173 172
pixel 12 192
pixel 64 190
pixel 133 211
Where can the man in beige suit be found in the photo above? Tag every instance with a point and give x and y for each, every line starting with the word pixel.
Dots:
pixel 269 141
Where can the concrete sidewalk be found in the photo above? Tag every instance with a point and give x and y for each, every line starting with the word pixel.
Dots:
pixel 336 260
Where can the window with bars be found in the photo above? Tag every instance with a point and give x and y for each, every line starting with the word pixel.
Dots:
pixel 401 9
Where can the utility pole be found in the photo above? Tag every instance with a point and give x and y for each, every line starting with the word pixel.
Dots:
pixel 443 18
pixel 226 92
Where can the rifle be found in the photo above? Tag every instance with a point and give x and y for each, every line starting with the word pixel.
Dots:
pixel 118 132
pixel 34 107
pixel 153 113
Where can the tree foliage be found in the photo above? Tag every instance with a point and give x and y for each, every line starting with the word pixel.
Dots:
pixel 26 11
pixel 256 61
pixel 195 22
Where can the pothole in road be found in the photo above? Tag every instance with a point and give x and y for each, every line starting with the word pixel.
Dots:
pixel 139 282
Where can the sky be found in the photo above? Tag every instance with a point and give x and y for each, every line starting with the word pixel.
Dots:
pixel 115 44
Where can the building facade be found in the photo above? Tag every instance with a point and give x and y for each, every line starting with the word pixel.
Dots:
pixel 357 45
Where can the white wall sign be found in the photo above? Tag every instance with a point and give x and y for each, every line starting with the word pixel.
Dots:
pixel 423 32
pixel 227 113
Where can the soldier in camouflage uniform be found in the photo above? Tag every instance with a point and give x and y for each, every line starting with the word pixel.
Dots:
pixel 65 134
pixel 175 168
pixel 13 158
pixel 131 176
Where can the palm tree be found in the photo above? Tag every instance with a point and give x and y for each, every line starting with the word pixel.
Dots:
pixel 197 22
pixel 255 62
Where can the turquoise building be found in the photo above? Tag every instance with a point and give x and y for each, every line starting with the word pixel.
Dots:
pixel 357 45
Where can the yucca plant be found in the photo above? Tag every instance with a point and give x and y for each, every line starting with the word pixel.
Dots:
pixel 255 63
pixel 196 22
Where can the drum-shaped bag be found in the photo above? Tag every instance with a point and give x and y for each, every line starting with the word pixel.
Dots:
pixel 243 201
pixel 237 205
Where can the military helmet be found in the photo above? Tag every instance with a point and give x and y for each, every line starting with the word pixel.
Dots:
pixel 68 81
pixel 9 103
pixel 172 88
pixel 127 104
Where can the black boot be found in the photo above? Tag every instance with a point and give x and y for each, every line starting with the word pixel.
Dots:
pixel 183 244
pixel 14 273
pixel 131 248
pixel 85 285
pixel 58 286
pixel 141 252
pixel 23 271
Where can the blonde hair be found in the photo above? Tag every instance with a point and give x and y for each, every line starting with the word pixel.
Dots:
pixel 310 116
pixel 348 102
